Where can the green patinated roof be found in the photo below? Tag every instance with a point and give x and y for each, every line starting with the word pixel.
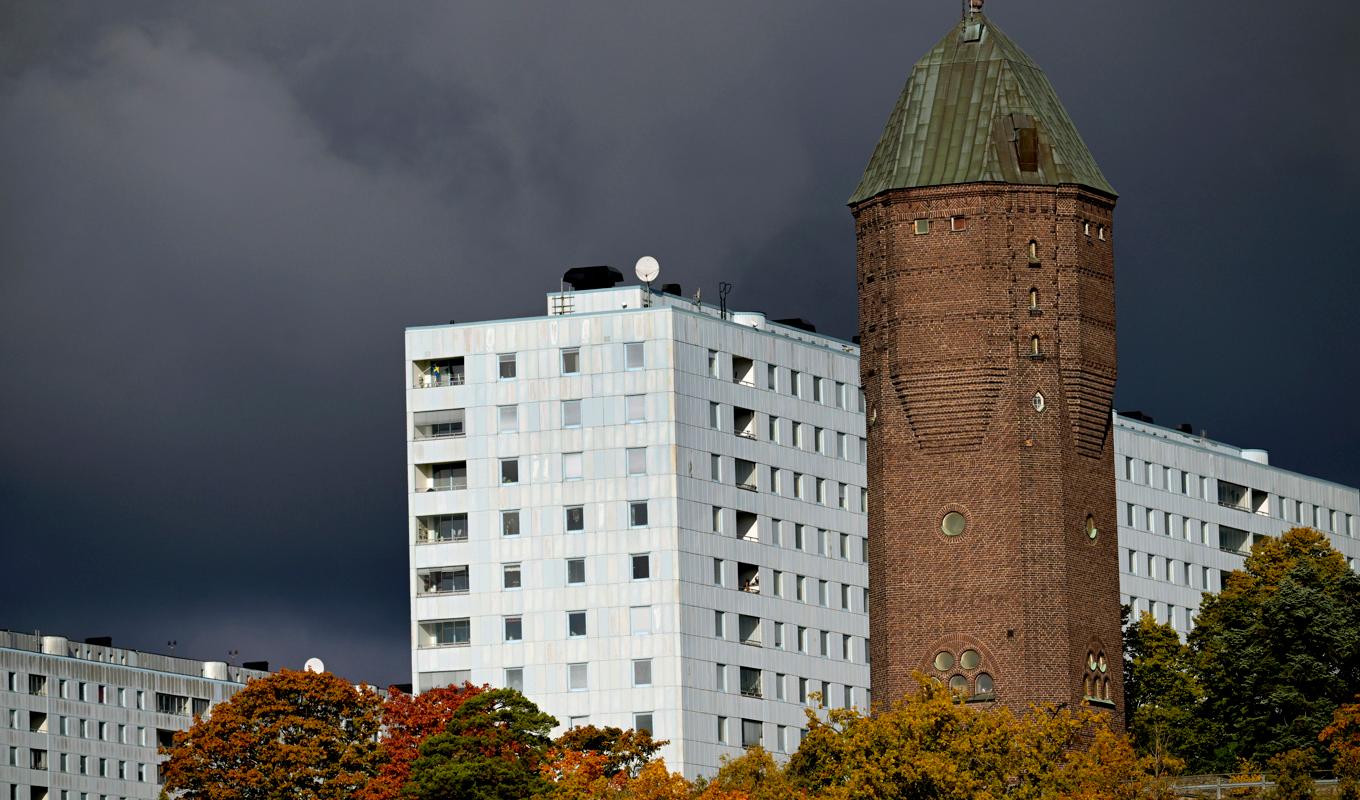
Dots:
pixel 958 117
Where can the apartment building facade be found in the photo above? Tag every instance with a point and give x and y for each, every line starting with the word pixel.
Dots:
pixel 642 512
pixel 652 515
pixel 83 721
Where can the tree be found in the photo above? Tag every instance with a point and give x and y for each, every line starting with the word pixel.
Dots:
pixel 625 751
pixel 409 720
pixel 753 775
pixel 491 749
pixel 300 735
pixel 1278 649
pixel 1292 772
pixel 929 745
pixel 1163 696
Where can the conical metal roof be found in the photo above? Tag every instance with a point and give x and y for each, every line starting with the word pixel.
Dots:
pixel 977 109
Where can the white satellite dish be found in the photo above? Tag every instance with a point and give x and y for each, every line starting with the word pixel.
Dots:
pixel 314 665
pixel 647 269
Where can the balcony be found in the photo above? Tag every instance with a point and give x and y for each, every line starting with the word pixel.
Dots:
pixel 750 682
pixel 745 474
pixel 441 477
pixel 1234 540
pixel 431 373
pixel 442 528
pixel 744 422
pixel 447 424
pixel 449 580
pixel 748 578
pixel 743 371
pixel 748 529
pixel 748 630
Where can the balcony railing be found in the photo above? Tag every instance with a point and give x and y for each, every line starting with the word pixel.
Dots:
pixel 749 692
pixel 432 381
pixel 746 434
pixel 446 486
pixel 1247 509
pixel 434 537
pixel 750 487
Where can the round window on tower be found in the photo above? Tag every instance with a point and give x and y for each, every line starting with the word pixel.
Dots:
pixel 944 661
pixel 969 659
pixel 1091 530
pixel 953 524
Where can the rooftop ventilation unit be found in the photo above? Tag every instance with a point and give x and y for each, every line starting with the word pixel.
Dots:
pixel 799 323
pixel 601 277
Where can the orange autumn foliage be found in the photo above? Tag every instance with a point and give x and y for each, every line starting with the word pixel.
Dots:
pixel 409 720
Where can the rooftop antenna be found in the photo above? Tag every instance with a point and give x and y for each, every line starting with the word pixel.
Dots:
pixel 724 289
pixel 647 269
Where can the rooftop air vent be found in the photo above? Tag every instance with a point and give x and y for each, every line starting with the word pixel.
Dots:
pixel 601 277
pixel 799 323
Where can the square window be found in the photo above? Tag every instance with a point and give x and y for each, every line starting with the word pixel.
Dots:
pixel 960 224
pixel 751 730
pixel 571 361
pixel 577 678
pixel 637 514
pixel 509 470
pixel 921 227
pixel 572 467
pixel 514 629
pixel 575 519
pixel 642 566
pixel 507 419
pixel 640 620
pixel 510 576
pixel 637 461
pixel 571 413
pixel 642 672
pixel 633 355
pixel 514 678
pixel 642 723
pixel 578 722
pixel 636 407
pixel 576 571
pixel 507 365
pixel 510 523
pixel 576 624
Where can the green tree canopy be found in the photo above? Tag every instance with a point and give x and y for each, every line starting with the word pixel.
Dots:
pixel 1163 697
pixel 1278 650
pixel 491 749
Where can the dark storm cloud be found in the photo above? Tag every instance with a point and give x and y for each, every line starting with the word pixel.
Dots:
pixel 217 218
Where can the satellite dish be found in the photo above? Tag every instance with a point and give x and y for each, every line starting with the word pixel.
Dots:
pixel 314 665
pixel 647 269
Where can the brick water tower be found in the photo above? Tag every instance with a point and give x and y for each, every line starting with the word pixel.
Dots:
pixel 986 306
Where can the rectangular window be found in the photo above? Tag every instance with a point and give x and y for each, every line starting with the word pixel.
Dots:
pixel 576 571
pixel 777 583
pixel 575 519
pixel 714 368
pixel 449 631
pixel 798 486
pixel 957 224
pixel 510 523
pixel 637 460
pixel 642 672
pixel 817 389
pixel 509 470
pixel 717 519
pixel 576 624
pixel 636 407
pixel 507 365
pixel 715 466
pixel 642 722
pixel 822 592
pixel 772 377
pixel 637 514
pixel 514 678
pixel 799 537
pixel 507 419
pixel 571 413
pixel 824 644
pixel 798 428
pixel 573 468
pixel 715 416
pixel 717 572
pixel 722 730
pixel 640 620
pixel 514 629
pixel 633 356
pixel 719 629
pixel 642 566
pixel 779 680
pixel 510 576
pixel 577 678
pixel 571 361
pixel 921 227
pixel 451 580
pixel 802 639
pixel 751 732
pixel 774 429
pixel 720 677
pixel 794 380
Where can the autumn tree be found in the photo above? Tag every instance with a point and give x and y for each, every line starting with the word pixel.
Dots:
pixel 624 751
pixel 1163 695
pixel 409 720
pixel 754 775
pixel 300 735
pixel 492 748
pixel 1278 650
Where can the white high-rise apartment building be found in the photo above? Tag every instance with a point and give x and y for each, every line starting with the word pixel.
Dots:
pixel 1190 509
pixel 83 721
pixel 641 514
pixel 653 516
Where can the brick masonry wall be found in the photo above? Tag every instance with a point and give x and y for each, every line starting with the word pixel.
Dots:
pixel 950 382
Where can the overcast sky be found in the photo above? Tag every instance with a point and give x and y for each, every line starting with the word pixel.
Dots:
pixel 217 218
